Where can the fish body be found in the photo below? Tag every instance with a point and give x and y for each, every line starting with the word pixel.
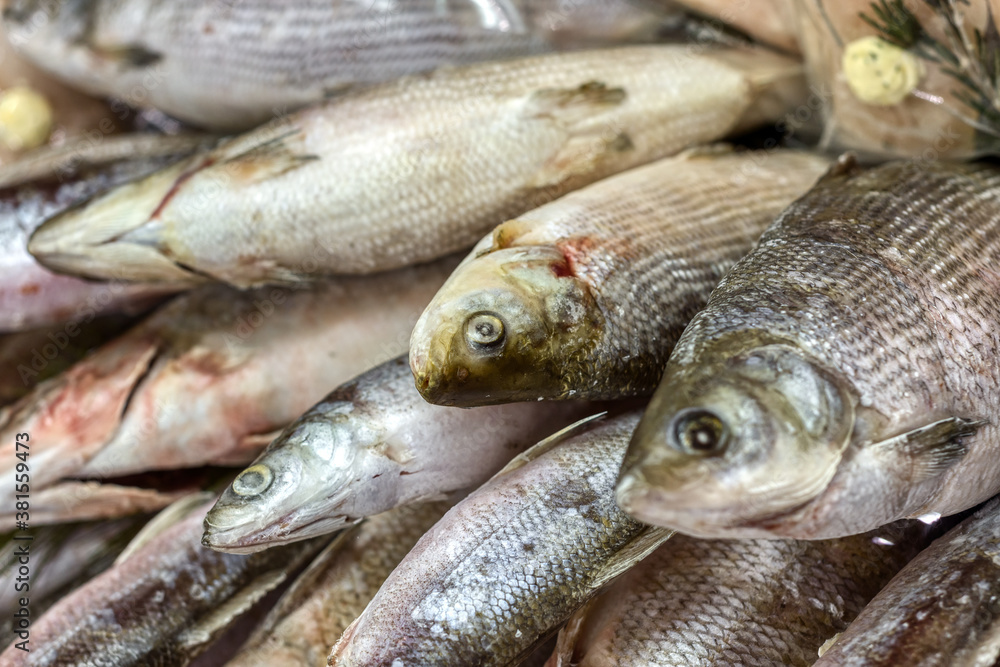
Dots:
pixel 585 296
pixel 702 603
pixel 334 590
pixel 210 377
pixel 231 66
pixel 844 374
pixel 32 296
pixel 940 610
pixel 415 169
pixel 509 564
pixel 162 605
pixel 371 445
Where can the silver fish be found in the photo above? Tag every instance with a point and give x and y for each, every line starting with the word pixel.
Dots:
pixel 716 603
pixel 510 563
pixel 585 296
pixel 844 373
pixel 371 445
pixel 333 591
pixel 234 65
pixel 412 170
pixel 163 605
pixel 32 296
pixel 942 610
pixel 211 377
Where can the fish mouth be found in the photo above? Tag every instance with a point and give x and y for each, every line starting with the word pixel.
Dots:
pixel 244 539
pixel 115 235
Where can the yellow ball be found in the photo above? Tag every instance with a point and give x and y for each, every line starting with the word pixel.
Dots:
pixel 880 73
pixel 25 118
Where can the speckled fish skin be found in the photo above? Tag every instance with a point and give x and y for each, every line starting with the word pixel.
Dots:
pixel 509 564
pixel 371 445
pixel 585 296
pixel 708 603
pixel 31 295
pixel 844 374
pixel 211 377
pixel 328 596
pixel 357 186
pixel 232 65
pixel 161 606
pixel 941 610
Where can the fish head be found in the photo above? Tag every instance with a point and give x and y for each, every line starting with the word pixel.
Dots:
pixel 292 491
pixel 736 439
pixel 503 328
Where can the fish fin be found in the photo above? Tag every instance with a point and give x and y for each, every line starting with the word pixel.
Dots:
pixel 569 636
pixel 573 104
pixel 127 55
pixel 846 165
pixel 270 159
pixel 640 546
pixel 548 443
pixel 219 619
pixel 167 517
pixel 580 155
pixel 931 449
pixel 304 585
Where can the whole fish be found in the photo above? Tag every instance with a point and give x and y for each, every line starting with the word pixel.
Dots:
pixel 942 610
pixel 356 186
pixel 844 374
pixel 371 445
pixel 163 605
pixel 210 377
pixel 333 591
pixel 702 603
pixel 233 65
pixel 585 296
pixel 32 296
pixel 509 564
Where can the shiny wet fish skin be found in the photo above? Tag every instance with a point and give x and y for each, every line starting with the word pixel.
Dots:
pixel 775 602
pixel 350 186
pixel 509 564
pixel 161 606
pixel 941 610
pixel 858 345
pixel 371 445
pixel 333 591
pixel 232 66
pixel 206 379
pixel 585 296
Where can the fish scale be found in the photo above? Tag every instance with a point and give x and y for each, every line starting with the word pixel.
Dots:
pixel 508 564
pixel 635 257
pixel 231 65
pixel 697 603
pixel 881 283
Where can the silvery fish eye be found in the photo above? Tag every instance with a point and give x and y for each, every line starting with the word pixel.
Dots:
pixel 253 481
pixel 699 431
pixel 484 331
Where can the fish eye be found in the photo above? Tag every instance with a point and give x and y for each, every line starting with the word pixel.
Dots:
pixel 484 331
pixel 253 481
pixel 700 431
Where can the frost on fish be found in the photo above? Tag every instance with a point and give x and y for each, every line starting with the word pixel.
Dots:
pixel 508 565
pixel 206 379
pixel 354 186
pixel 230 68
pixel 371 445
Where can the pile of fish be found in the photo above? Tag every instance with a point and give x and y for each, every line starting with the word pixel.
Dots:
pixel 491 334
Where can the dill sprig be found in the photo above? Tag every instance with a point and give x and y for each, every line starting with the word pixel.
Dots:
pixel 974 62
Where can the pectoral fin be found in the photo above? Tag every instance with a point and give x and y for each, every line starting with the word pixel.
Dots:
pixel 548 443
pixel 272 158
pixel 574 104
pixel 932 449
pixel 640 546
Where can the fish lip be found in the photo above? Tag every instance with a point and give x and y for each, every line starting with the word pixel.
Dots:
pixel 232 540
